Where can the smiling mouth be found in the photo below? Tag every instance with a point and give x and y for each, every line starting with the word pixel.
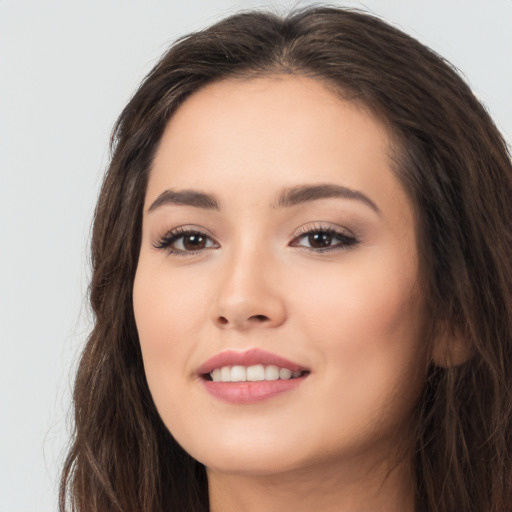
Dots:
pixel 251 376
pixel 253 373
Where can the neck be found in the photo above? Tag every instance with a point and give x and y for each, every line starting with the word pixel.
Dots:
pixel 329 489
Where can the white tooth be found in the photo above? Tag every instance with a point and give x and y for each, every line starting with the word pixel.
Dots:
pixel 271 372
pixel 216 375
pixel 238 374
pixel 285 374
pixel 296 374
pixel 256 372
pixel 225 374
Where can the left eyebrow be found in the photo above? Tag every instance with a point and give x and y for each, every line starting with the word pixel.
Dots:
pixel 305 193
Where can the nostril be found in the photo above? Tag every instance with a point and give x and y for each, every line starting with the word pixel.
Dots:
pixel 259 318
pixel 242 322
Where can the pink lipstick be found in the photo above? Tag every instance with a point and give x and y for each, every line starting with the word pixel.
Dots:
pixel 250 376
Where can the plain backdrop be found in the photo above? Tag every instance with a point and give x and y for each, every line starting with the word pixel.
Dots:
pixel 66 70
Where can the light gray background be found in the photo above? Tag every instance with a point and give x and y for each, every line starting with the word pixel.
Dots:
pixel 66 70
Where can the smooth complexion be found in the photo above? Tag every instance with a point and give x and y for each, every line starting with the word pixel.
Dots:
pixel 236 256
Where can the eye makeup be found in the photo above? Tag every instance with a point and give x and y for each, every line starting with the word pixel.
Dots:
pixel 322 238
pixel 184 241
pixel 318 238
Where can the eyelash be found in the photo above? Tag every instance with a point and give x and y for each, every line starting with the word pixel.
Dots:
pixel 171 237
pixel 345 241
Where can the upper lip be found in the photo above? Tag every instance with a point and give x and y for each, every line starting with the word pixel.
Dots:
pixel 247 358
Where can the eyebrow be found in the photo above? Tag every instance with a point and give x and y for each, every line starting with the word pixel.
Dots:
pixel 289 197
pixel 187 198
pixel 305 193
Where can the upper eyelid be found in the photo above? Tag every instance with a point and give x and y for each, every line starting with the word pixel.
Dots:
pixel 323 226
pixel 183 230
pixel 334 232
pixel 302 231
pixel 164 241
pixel 346 237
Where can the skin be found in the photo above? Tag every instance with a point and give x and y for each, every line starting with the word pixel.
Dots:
pixel 352 315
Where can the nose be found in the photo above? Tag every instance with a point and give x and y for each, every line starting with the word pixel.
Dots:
pixel 247 296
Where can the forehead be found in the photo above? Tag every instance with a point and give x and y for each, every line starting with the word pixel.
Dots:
pixel 280 131
pixel 274 112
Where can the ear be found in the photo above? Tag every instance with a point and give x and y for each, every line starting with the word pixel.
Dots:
pixel 450 348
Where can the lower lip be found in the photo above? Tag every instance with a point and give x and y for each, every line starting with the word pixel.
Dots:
pixel 250 392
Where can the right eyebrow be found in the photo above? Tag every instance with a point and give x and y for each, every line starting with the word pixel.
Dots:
pixel 187 198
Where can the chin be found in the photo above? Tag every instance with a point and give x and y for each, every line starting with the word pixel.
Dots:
pixel 251 464
pixel 254 456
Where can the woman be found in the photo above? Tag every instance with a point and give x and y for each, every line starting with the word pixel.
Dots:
pixel 301 281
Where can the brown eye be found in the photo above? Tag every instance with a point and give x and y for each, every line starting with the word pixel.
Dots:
pixel 323 240
pixel 194 242
pixel 181 242
pixel 319 240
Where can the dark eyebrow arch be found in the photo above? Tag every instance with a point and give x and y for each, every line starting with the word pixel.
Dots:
pixel 187 198
pixel 305 193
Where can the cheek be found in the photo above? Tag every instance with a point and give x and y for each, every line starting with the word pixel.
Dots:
pixel 375 296
pixel 368 320
pixel 166 305
pixel 167 309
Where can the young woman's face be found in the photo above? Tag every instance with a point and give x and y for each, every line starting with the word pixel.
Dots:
pixel 276 241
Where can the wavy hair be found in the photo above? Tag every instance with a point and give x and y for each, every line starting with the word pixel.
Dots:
pixel 455 167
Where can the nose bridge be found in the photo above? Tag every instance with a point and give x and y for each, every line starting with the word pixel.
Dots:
pixel 246 293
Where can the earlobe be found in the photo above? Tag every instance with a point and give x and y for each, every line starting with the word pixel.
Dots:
pixel 451 348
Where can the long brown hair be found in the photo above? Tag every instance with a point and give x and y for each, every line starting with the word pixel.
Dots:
pixel 454 165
